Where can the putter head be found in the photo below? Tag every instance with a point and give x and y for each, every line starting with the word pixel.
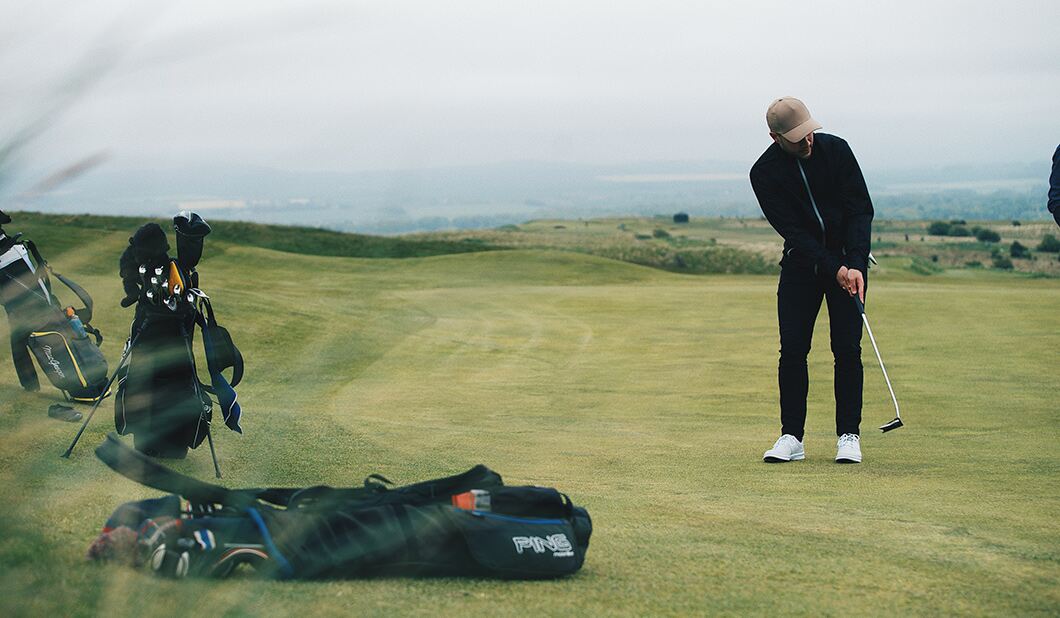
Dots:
pixel 895 424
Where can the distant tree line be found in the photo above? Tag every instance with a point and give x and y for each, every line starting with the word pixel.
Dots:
pixel 958 227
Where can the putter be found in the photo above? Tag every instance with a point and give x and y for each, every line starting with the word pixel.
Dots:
pixel 897 422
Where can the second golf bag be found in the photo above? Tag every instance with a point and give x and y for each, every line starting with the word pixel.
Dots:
pixel 469 524
pixel 160 399
pixel 58 338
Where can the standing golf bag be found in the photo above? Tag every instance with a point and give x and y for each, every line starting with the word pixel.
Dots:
pixel 160 399
pixel 470 524
pixel 58 338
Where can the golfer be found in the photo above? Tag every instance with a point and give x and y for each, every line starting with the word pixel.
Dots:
pixel 812 192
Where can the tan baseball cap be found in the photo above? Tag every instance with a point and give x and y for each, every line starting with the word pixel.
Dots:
pixel 789 118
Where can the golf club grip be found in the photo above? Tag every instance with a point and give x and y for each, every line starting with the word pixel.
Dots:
pixel 860 305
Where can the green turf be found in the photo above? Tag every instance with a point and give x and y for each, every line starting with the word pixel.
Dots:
pixel 647 396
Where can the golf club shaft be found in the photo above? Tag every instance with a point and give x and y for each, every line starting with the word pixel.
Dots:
pixel 876 348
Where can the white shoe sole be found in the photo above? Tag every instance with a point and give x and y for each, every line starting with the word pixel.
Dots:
pixel 773 459
pixel 847 460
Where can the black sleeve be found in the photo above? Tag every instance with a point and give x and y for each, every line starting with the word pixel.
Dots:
pixel 780 216
pixel 857 209
pixel 1054 187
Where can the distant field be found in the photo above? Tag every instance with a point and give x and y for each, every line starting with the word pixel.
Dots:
pixel 646 395
pixel 742 245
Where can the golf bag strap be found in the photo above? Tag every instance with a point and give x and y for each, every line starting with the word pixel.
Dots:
pixel 146 471
pixel 41 272
pixel 210 321
pixel 86 313
pixel 138 467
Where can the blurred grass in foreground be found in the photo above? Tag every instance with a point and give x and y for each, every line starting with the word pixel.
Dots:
pixel 648 397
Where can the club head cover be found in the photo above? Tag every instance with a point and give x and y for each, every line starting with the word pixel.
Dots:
pixel 190 224
pixel 4 219
pixel 191 230
pixel 149 244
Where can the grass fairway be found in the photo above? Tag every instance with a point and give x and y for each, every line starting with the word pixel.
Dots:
pixel 646 396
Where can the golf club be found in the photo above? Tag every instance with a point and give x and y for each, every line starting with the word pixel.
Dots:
pixel 897 422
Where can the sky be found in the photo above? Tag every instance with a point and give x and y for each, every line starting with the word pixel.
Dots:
pixel 349 86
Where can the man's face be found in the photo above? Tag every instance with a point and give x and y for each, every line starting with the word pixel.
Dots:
pixel 800 149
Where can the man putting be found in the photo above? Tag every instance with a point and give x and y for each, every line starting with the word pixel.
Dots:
pixel 812 192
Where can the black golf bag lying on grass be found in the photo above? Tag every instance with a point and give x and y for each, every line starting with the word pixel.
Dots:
pixel 58 338
pixel 470 524
pixel 160 399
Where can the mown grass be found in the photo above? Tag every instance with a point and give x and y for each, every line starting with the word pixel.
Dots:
pixel 647 396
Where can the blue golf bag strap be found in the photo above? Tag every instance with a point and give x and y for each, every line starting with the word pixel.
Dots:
pixel 284 570
pixel 219 387
pixel 208 323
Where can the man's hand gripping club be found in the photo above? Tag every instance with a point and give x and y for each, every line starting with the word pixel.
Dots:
pixel 851 280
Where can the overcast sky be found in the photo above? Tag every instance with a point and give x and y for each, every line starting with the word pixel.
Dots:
pixel 359 85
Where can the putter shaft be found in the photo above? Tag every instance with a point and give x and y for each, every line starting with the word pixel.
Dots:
pixel 875 348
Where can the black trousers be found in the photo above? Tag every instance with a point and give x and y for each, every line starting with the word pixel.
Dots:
pixel 798 303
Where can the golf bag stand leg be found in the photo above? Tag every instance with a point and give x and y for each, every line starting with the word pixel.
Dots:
pixel 106 389
pixel 213 454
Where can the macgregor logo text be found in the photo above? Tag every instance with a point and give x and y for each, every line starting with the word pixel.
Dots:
pixel 54 363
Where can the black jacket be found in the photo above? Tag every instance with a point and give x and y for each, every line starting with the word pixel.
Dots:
pixel 841 196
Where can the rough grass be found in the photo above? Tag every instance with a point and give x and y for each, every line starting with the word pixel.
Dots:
pixel 58 231
pixel 648 397
pixel 749 245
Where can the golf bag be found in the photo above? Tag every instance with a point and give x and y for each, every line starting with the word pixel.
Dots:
pixel 160 399
pixel 40 328
pixel 469 525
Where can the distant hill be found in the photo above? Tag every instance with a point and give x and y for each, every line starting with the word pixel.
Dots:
pixel 492 195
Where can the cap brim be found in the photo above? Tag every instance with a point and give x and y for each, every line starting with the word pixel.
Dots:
pixel 801 131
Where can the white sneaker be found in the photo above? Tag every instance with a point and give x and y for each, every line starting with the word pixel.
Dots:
pixel 848 449
pixel 786 448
